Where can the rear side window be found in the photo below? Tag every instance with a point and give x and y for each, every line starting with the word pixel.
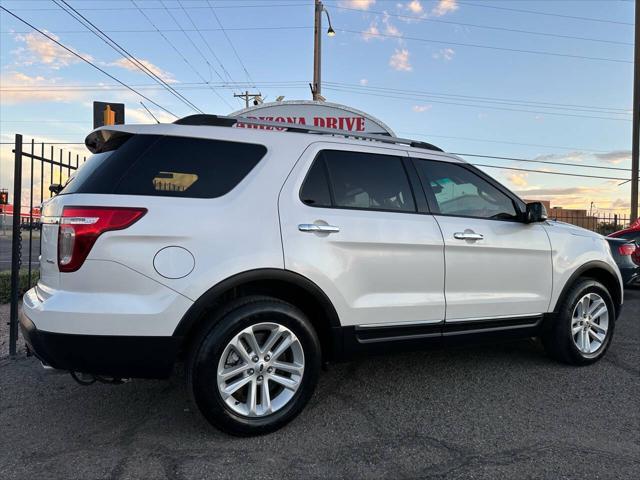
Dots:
pixel 168 166
pixel 360 181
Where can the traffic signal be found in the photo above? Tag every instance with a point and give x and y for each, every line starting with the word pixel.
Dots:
pixel 4 197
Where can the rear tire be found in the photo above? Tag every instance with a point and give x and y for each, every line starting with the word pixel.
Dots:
pixel 278 369
pixel 583 326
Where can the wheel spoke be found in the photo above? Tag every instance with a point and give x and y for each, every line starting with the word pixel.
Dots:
pixel 251 340
pixel 594 306
pixel 266 397
pixel 232 372
pixel 271 341
pixel 286 343
pixel 288 367
pixel 585 341
pixel 240 350
pixel 252 396
pixel 593 334
pixel 232 388
pixel 284 381
pixel 575 330
pixel 599 327
pixel 599 312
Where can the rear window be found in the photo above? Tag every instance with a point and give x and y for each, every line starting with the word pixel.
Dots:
pixel 167 166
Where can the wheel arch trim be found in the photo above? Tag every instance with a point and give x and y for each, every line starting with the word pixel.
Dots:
pixel 594 265
pixel 192 317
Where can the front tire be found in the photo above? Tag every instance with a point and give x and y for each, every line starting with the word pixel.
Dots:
pixel 256 367
pixel 583 326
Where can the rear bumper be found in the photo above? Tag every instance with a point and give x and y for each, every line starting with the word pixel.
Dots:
pixel 107 355
pixel 630 275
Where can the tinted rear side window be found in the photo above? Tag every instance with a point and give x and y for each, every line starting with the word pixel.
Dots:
pixel 169 166
pixel 315 190
pixel 369 181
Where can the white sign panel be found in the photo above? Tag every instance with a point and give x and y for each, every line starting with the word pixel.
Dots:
pixel 317 114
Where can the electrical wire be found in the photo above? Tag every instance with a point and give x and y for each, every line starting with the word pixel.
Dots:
pixel 486 47
pixel 87 61
pixel 121 50
pixel 475 25
pixel 184 58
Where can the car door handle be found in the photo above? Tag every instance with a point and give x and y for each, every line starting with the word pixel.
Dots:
pixel 468 236
pixel 315 228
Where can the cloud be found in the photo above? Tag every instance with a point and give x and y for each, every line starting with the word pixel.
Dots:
pixel 518 179
pixel 364 81
pixel 421 108
pixel 372 32
pixel 16 89
pixel 614 157
pixel 140 115
pixel 129 65
pixel 37 49
pixel 400 60
pixel 444 7
pixel 446 54
pixel 357 4
pixel 415 6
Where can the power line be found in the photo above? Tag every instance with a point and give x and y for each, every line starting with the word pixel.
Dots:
pixel 487 27
pixel 206 42
pixel 506 101
pixel 87 61
pixel 487 47
pixel 169 30
pixel 551 173
pixel 120 49
pixel 563 164
pixel 191 7
pixel 547 14
pixel 224 31
pixel 501 142
pixel 487 107
pixel 166 39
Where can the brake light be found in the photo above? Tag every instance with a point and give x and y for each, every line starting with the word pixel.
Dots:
pixel 627 249
pixel 80 227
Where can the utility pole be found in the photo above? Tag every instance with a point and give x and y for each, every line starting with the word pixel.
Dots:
pixel 316 86
pixel 257 97
pixel 635 149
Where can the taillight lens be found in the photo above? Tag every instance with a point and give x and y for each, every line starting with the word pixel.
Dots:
pixel 627 249
pixel 80 227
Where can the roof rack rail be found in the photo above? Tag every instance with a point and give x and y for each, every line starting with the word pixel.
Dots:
pixel 223 121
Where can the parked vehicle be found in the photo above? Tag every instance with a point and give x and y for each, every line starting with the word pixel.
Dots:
pixel 631 233
pixel 255 255
pixel 623 251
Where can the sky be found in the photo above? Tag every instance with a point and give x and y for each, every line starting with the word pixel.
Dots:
pixel 545 80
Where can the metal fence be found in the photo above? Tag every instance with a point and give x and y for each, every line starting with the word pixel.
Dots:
pixel 36 164
pixel 603 223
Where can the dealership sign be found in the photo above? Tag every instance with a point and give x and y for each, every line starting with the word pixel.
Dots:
pixel 316 114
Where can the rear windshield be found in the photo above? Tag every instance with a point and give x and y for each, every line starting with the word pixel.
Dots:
pixel 167 166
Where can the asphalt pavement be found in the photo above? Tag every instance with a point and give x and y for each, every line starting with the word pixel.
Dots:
pixel 482 412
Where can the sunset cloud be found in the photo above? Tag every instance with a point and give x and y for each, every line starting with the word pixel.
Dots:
pixel 129 65
pixel 36 49
pixel 444 7
pixel 357 4
pixel 400 60
pixel 16 89
pixel 445 54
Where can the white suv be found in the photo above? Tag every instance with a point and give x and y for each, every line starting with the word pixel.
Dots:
pixel 255 254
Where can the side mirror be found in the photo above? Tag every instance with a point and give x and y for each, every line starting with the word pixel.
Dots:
pixel 55 188
pixel 536 212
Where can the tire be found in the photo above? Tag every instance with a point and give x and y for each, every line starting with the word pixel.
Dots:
pixel 559 341
pixel 219 351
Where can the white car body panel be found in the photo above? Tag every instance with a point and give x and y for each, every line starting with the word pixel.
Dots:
pixel 380 267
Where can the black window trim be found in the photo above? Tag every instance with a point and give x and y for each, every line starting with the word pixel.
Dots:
pixel 404 162
pixel 518 204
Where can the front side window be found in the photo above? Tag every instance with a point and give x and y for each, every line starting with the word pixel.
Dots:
pixel 455 190
pixel 361 181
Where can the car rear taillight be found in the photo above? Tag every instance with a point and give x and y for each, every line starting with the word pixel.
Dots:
pixel 627 249
pixel 80 227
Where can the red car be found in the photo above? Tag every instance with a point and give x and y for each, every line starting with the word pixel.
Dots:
pixel 631 233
